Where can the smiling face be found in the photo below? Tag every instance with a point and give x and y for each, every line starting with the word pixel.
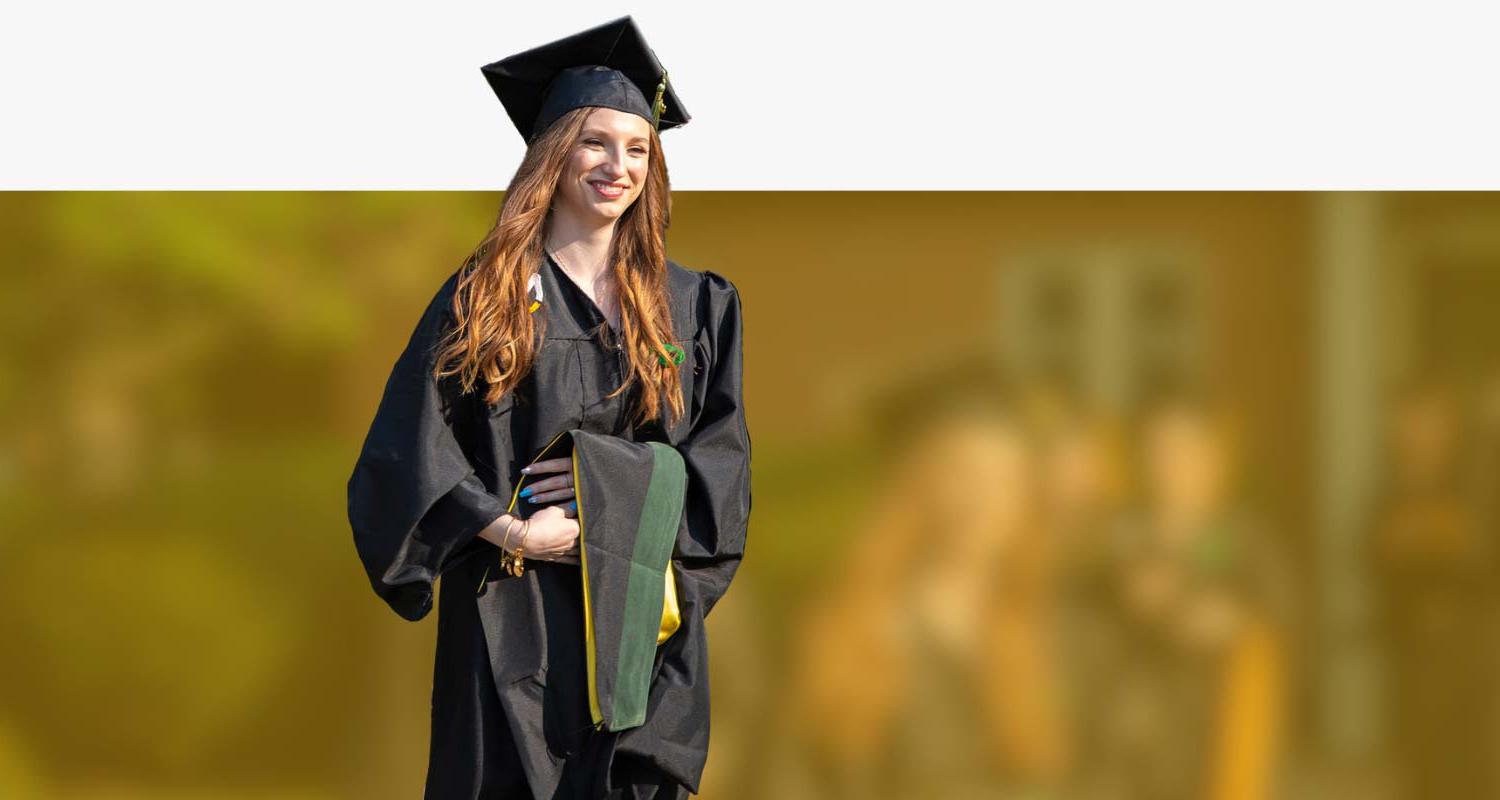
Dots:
pixel 606 168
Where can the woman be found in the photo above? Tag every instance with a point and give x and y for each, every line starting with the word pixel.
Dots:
pixel 1434 568
pixel 567 319
pixel 926 670
pixel 1196 703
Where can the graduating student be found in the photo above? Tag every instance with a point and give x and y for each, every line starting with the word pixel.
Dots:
pixel 564 442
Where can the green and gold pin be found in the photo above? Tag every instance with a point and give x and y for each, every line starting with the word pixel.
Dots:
pixel 677 354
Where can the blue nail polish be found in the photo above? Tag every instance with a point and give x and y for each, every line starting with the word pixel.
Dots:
pixel 526 492
pixel 532 500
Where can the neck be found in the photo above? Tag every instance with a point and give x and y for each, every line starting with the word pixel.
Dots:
pixel 582 245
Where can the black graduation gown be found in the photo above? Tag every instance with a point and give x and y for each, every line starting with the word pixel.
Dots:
pixel 509 695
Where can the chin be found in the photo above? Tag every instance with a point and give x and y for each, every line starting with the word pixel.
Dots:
pixel 606 210
pixel 612 209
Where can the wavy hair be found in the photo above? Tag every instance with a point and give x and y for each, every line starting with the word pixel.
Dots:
pixel 494 338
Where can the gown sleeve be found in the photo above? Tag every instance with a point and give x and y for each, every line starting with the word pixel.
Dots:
pixel 415 503
pixel 716 454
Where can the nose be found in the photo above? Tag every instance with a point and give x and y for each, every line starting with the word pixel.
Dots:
pixel 614 164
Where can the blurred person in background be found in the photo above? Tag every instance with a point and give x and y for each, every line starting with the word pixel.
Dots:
pixel 1434 563
pixel 1083 480
pixel 927 670
pixel 1204 601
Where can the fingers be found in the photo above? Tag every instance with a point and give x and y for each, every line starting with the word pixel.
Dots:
pixel 568 555
pixel 550 484
pixel 547 497
pixel 561 510
pixel 552 538
pixel 546 490
pixel 550 465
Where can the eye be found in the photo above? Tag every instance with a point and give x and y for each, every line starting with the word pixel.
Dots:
pixel 594 142
pixel 640 151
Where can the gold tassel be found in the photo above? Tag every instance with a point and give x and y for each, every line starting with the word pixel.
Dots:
pixel 659 105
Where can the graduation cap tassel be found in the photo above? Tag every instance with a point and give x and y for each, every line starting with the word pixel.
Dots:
pixel 659 104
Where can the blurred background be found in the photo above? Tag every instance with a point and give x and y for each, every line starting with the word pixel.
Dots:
pixel 1106 495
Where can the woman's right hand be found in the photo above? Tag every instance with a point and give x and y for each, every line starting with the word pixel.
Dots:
pixel 553 535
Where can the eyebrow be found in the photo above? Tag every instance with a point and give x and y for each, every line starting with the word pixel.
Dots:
pixel 598 132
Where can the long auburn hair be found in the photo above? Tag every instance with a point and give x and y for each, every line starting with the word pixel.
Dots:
pixel 493 337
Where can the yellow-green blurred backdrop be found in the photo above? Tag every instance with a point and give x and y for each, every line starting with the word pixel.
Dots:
pixel 186 378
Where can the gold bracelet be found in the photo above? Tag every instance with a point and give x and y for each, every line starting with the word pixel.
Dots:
pixel 505 540
pixel 520 558
pixel 506 558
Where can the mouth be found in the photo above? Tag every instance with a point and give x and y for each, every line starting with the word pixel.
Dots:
pixel 607 190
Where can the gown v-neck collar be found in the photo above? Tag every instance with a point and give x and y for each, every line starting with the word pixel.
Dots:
pixel 598 321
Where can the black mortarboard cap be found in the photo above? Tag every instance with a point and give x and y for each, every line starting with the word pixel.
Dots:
pixel 609 65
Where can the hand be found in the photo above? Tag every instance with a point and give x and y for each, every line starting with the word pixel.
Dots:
pixel 556 487
pixel 505 532
pixel 553 536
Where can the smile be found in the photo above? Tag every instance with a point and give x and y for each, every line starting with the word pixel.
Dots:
pixel 608 190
